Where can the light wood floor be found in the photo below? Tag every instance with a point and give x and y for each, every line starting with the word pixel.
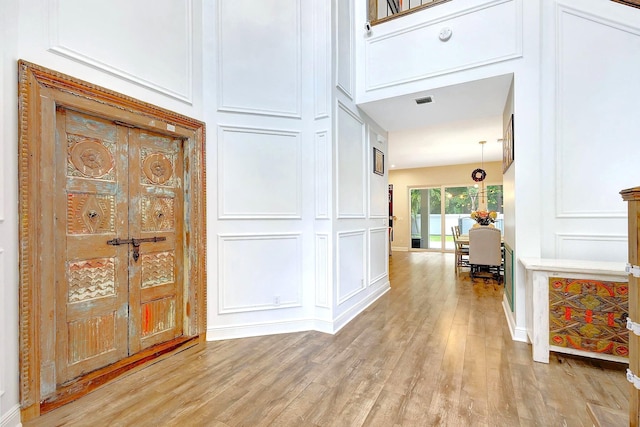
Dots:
pixel 434 351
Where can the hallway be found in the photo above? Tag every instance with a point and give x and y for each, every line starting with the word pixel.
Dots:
pixel 435 350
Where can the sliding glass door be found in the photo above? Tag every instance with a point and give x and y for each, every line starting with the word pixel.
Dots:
pixel 435 211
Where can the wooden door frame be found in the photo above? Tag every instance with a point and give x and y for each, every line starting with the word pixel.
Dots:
pixel 40 89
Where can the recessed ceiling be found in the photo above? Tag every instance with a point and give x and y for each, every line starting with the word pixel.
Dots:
pixel 447 130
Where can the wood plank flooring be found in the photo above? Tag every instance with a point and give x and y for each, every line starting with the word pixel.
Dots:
pixel 434 351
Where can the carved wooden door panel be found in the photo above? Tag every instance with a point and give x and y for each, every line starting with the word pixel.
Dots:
pixel 156 203
pixel 118 203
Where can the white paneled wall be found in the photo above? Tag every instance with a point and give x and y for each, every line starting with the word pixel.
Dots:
pixel 378 254
pixel 272 280
pixel 321 58
pixel 292 160
pixel 323 270
pixel 351 161
pixel 592 128
pixel 351 264
pixel 260 54
pixel 114 33
pixel 608 94
pixel 322 162
pixel 344 47
pixel 483 33
pixel 259 172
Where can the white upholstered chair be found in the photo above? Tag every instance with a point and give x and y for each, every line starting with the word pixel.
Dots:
pixel 485 251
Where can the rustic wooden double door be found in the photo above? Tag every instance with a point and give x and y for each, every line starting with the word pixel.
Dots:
pixel 112 236
pixel 118 209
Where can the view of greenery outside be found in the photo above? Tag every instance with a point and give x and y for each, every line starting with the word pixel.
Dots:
pixel 458 200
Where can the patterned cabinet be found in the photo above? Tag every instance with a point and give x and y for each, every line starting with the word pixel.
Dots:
pixel 577 307
pixel 632 196
pixel 588 315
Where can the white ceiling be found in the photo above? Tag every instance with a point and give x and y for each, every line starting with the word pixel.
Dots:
pixel 448 130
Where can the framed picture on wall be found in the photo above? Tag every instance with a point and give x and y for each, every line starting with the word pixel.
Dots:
pixel 378 161
pixel 507 146
pixel 632 3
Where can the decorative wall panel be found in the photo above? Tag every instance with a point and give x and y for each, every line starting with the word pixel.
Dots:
pixel 350 149
pixel 78 32
pixel 589 315
pixel 259 64
pixel 351 264
pixel 323 271
pixel 322 171
pixel 259 272
pixel 378 253
pixel 591 247
pixel 483 34
pixel 606 113
pixel 344 47
pixel 321 58
pixel 265 164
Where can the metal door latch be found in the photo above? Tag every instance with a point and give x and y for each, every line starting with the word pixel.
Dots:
pixel 135 243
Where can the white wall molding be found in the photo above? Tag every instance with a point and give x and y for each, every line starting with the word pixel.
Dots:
pixel 343 319
pixel 246 330
pixel 345 47
pixel 580 190
pixel 92 48
pixel 322 174
pixel 322 270
pixel 11 418
pixel 321 59
pixel 246 164
pixel 248 261
pixel 351 164
pixel 378 254
pixel 606 247
pixel 377 47
pixel 351 256
pixel 249 79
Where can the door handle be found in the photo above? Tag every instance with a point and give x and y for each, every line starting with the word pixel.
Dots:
pixel 135 243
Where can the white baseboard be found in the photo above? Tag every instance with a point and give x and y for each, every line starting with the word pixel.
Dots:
pixel 350 314
pixel 296 325
pixel 11 418
pixel 517 333
pixel 399 249
pixel 259 329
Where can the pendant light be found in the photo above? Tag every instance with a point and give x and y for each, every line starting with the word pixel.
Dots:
pixel 479 175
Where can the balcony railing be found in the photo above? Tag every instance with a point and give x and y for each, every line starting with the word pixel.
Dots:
pixel 384 10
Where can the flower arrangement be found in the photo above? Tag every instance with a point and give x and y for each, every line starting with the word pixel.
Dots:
pixel 484 217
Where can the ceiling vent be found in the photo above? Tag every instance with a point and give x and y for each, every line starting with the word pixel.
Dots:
pixel 425 100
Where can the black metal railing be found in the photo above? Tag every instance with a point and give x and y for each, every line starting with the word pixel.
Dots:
pixel 384 10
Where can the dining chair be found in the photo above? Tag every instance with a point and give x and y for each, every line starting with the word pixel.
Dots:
pixel 461 251
pixel 485 251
